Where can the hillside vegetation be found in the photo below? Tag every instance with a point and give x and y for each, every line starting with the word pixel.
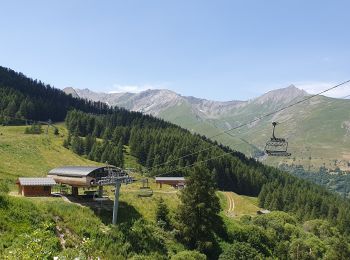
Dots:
pixel 48 227
pixel 315 223
pixel 317 128
pixel 158 148
pixel 33 155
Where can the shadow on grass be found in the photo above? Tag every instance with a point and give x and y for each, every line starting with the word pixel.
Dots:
pixel 127 214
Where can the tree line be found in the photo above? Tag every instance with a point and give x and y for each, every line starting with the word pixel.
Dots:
pixel 157 144
pixel 24 98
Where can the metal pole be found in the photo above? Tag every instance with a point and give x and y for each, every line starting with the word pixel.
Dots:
pixel 116 202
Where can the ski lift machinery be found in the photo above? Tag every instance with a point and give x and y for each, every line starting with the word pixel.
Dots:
pixel 276 146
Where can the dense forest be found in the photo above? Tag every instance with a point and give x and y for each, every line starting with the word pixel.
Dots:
pixel 157 145
pixel 25 98
pixel 317 226
pixel 337 180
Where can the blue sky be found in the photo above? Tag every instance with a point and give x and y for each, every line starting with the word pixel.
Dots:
pixel 221 50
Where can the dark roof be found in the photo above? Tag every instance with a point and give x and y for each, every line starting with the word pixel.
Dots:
pixel 36 181
pixel 74 171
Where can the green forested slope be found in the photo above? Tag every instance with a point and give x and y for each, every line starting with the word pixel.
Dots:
pixel 165 150
pixel 316 224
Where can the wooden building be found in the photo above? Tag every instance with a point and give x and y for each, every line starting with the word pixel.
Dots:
pixel 176 182
pixel 35 187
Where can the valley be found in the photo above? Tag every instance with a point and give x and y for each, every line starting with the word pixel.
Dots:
pixel 213 216
pixel 174 130
pixel 317 130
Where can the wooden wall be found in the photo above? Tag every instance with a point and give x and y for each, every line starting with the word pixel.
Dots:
pixel 35 191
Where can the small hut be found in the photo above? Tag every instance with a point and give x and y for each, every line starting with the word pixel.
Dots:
pixel 176 182
pixel 35 187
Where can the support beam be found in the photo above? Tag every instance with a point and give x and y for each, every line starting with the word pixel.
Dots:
pixel 100 191
pixel 116 203
pixel 75 191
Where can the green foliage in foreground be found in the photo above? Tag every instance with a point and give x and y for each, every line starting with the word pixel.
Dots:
pixel 44 229
pixel 279 235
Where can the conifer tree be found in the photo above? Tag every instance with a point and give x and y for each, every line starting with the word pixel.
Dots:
pixel 77 145
pixel 88 143
pixel 198 212
pixel 162 213
pixel 120 154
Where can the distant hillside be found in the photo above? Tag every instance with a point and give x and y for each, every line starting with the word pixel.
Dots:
pixel 317 129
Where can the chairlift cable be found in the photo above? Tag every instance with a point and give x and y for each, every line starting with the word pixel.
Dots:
pixel 253 121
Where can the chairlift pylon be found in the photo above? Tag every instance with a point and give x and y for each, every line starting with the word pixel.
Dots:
pixel 276 146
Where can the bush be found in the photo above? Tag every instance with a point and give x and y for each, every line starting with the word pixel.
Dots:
pixel 33 129
pixel 240 250
pixel 4 187
pixel 189 255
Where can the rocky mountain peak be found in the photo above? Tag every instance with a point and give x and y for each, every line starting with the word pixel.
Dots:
pixel 282 95
pixel 71 91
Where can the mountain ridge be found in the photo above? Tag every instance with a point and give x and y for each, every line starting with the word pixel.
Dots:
pixel 319 123
pixel 155 101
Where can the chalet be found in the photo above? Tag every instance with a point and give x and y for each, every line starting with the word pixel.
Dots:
pixel 35 187
pixel 176 182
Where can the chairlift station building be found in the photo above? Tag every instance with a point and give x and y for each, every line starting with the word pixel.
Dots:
pixel 84 176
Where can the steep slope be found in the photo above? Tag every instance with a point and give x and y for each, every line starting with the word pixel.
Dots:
pixel 33 155
pixel 318 128
pixel 157 144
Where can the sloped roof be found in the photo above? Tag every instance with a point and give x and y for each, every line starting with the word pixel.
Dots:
pixel 170 178
pixel 36 181
pixel 74 171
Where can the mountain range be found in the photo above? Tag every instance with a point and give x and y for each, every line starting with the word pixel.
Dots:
pixel 318 130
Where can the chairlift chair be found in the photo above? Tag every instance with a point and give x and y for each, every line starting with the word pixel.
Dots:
pixel 276 146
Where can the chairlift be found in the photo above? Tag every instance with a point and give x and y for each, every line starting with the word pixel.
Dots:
pixel 145 189
pixel 145 193
pixel 276 146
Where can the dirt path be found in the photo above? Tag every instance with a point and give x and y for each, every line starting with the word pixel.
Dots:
pixel 230 203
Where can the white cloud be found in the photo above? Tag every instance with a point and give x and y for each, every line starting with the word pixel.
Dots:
pixel 131 88
pixel 317 87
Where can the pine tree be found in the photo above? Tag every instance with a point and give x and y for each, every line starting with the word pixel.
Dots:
pixel 120 154
pixel 162 213
pixel 106 153
pixel 198 212
pixel 77 145
pixel 88 143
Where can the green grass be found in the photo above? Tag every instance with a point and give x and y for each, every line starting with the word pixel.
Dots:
pixel 244 205
pixel 33 155
pixel 129 160
pixel 315 126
